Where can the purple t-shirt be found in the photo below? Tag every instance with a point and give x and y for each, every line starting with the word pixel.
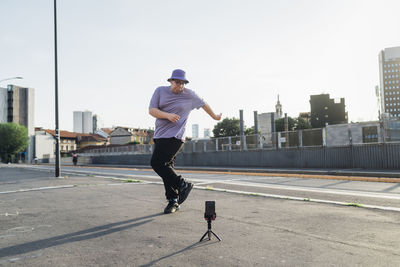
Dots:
pixel 181 104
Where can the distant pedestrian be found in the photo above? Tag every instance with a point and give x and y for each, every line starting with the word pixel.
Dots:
pixel 171 106
pixel 75 159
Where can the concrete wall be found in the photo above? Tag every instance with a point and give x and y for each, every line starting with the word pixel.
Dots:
pixel 373 156
pixel 44 146
pixel 338 135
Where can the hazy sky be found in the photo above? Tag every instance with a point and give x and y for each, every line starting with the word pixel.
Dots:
pixel 238 54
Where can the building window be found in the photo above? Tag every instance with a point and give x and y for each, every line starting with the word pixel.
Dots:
pixel 370 134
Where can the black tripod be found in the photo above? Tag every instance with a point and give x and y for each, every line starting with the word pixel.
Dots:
pixel 209 231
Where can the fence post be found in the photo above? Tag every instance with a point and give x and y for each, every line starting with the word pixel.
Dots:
pixel 324 136
pixel 279 140
pixel 216 144
pixel 300 138
pixel 230 143
pixel 204 146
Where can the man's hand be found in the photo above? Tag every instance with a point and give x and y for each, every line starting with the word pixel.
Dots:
pixel 218 117
pixel 156 113
pixel 210 112
pixel 173 117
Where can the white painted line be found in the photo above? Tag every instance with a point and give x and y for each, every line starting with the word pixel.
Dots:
pixel 318 190
pixel 37 189
pixel 388 208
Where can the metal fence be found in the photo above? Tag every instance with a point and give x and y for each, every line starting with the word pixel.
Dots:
pixel 320 137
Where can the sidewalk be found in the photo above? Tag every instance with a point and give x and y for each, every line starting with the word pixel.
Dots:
pixel 88 221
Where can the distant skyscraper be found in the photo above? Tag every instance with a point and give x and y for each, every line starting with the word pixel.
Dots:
pixel 389 72
pixel 207 132
pixel 195 131
pixel 78 122
pixel 17 105
pixel 3 105
pixel 83 122
pixel 95 128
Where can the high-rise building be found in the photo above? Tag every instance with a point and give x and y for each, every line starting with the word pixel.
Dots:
pixel 78 122
pixel 195 131
pixel 389 74
pixel 17 105
pixel 326 111
pixel 87 122
pixel 3 105
pixel 95 127
pixel 83 122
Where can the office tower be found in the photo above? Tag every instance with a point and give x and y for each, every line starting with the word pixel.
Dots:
pixel 87 122
pixel 326 111
pixel 83 122
pixel 195 131
pixel 17 105
pixel 389 72
pixel 207 133
pixel 3 105
pixel 78 122
pixel 94 123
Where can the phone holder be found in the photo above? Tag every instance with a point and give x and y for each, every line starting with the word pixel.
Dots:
pixel 209 216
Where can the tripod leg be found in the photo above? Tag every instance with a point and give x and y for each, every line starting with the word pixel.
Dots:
pixel 216 236
pixel 201 239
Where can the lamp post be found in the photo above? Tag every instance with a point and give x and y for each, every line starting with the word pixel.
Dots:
pixel 12 78
pixel 57 131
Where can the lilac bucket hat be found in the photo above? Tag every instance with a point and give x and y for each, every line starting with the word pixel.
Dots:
pixel 178 75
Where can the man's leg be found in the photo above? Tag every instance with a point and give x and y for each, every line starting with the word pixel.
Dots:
pixel 162 161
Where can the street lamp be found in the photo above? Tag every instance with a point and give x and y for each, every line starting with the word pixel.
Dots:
pixel 12 78
pixel 57 130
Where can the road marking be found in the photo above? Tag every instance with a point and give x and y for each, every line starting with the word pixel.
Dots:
pixel 37 189
pixel 240 182
pixel 9 214
pixel 317 190
pixel 388 208
pixel 269 174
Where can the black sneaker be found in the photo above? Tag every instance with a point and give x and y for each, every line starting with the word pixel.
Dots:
pixel 171 207
pixel 184 192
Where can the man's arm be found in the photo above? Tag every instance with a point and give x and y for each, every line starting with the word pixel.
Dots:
pixel 156 113
pixel 210 112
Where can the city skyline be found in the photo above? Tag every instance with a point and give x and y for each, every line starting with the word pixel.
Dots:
pixel 237 55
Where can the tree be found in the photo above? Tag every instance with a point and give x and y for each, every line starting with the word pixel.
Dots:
pixel 250 131
pixel 14 139
pixel 301 123
pixel 294 124
pixel 280 124
pixel 227 127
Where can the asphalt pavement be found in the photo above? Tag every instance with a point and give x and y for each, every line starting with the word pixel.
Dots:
pixel 85 220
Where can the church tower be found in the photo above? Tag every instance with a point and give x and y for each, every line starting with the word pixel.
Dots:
pixel 278 109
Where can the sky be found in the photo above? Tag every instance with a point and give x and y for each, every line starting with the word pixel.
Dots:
pixel 238 54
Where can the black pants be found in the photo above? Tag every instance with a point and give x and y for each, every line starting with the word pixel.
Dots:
pixel 162 162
